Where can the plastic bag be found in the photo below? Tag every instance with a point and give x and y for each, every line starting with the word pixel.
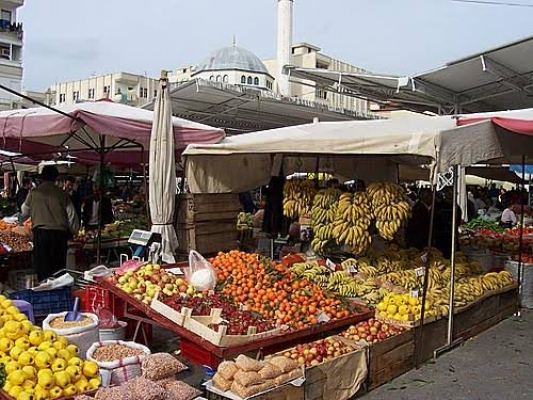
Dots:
pixel 106 319
pixel 129 266
pixel 200 273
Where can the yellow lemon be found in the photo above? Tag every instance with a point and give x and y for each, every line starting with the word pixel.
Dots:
pixel 392 309
pixel 16 378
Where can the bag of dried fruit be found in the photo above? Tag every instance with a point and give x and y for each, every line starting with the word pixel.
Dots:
pixel 81 333
pixel 121 359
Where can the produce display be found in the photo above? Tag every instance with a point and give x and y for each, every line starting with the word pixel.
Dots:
pixel 371 332
pixel 477 224
pixel 16 243
pixel 319 351
pixel 389 207
pixel 114 352
pixel 352 220
pixel 270 289
pixel 298 195
pixel 150 279
pixel 237 321
pixel 60 323
pixel 38 363
pixel 247 377
pixel 117 230
pixel 245 221
pixel 498 241
pixel 323 215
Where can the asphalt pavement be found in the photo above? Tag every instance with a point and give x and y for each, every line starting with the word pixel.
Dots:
pixel 497 364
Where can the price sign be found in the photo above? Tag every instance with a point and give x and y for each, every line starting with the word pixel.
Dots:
pixel 331 265
pixel 323 317
pixel 414 293
pixel 351 269
pixel 419 272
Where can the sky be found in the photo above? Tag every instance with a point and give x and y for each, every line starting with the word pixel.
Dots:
pixel 74 39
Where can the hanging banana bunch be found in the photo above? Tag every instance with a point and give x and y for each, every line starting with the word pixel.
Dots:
pixel 354 215
pixel 389 208
pixel 298 195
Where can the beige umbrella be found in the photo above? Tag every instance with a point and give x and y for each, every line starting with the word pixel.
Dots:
pixel 162 190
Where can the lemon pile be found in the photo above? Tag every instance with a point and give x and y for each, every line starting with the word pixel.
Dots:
pixel 39 364
pixel 401 307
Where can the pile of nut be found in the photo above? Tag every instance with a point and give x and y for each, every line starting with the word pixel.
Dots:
pixel 115 352
pixel 16 242
pixel 60 323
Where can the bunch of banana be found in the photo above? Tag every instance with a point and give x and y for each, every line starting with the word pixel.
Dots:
pixel 323 215
pixel 352 220
pixel 312 271
pixel 298 195
pixel 466 292
pixel 362 267
pixel 389 207
pixel 496 280
pixel 343 283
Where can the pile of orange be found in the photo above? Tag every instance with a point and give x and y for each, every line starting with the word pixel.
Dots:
pixel 270 289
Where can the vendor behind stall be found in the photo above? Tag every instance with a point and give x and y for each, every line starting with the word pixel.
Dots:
pixel 90 210
pixel 418 226
pixel 508 218
pixel 54 219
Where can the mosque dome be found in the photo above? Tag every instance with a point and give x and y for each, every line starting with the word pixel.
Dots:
pixel 232 58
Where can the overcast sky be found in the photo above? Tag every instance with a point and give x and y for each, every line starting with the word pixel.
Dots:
pixel 74 39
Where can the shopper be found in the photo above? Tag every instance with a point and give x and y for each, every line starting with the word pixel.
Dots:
pixel 23 192
pixel 70 186
pixel 418 226
pixel 443 223
pixel 91 210
pixel 508 218
pixel 54 220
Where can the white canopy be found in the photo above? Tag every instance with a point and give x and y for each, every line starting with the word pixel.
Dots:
pixel 243 162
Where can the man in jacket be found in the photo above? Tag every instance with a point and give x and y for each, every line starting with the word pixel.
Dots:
pixel 91 210
pixel 54 219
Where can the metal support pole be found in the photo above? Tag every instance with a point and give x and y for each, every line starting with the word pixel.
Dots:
pixel 521 237
pixel 426 259
pixel 450 343
pixel 100 198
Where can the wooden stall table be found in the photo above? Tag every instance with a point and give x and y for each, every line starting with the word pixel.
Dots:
pixel 213 354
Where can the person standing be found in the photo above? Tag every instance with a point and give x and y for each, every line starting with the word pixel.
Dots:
pixel 508 218
pixel 91 206
pixel 23 192
pixel 70 186
pixel 417 231
pixel 54 219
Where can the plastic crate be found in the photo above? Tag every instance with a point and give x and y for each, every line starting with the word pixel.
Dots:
pixel 95 298
pixel 46 302
pixel 198 355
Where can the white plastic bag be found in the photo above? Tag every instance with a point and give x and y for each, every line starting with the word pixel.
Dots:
pixel 200 273
pixel 82 336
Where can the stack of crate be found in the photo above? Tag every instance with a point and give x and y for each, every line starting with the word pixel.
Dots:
pixel 207 223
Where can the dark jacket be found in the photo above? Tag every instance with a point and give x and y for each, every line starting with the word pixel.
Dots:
pixel 21 197
pixel 418 226
pixel 107 210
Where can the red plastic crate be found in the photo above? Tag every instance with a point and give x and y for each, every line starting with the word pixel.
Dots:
pixel 96 298
pixel 198 355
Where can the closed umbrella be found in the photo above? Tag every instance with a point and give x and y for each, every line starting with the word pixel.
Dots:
pixel 162 190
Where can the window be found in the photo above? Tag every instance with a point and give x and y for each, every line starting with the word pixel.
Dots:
pixel 243 79
pixel 62 97
pixel 250 80
pixel 5 51
pixel 75 95
pixel 91 94
pixel 155 93
pixel 321 94
pixel 6 15
pixel 184 70
pixel 256 81
pixel 145 93
pixel 141 92
pixel 219 78
pixel 211 78
pixel 225 79
pixel 107 89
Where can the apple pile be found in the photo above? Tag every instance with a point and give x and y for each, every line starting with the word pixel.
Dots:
pixel 150 279
pixel 371 331
pixel 319 351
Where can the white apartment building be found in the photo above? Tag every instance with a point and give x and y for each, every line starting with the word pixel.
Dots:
pixel 121 87
pixel 11 43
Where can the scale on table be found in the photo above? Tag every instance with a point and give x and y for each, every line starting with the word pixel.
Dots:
pixel 145 242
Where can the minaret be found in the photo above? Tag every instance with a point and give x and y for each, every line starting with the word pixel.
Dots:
pixel 284 44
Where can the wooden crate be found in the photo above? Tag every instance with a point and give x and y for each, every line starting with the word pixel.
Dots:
pixel 200 326
pixel 285 392
pixel 208 237
pixel 390 358
pixel 208 207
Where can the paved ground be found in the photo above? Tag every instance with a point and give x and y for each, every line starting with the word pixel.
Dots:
pixel 497 364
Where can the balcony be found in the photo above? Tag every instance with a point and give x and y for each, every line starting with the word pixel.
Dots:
pixel 12 30
pixel 14 3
